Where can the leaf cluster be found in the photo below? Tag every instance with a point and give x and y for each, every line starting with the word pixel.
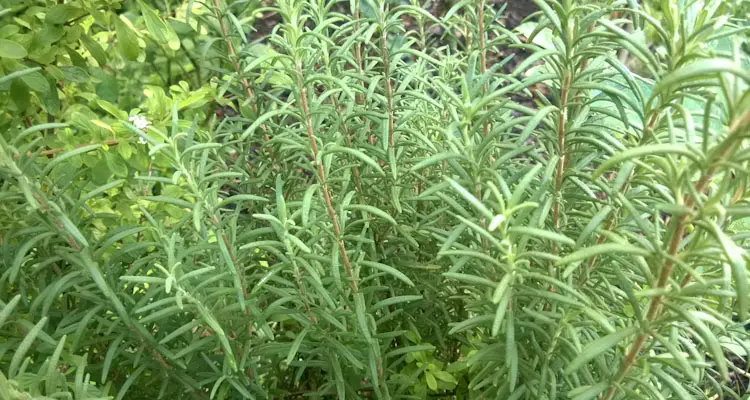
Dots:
pixel 397 209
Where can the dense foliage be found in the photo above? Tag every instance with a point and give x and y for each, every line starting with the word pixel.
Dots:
pixel 374 199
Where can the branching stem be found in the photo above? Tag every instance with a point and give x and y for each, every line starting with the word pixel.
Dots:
pixel 560 171
pixel 654 309
pixel 483 57
pixel 388 85
pixel 322 179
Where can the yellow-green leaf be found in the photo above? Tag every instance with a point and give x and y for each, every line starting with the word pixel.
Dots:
pixel 127 41
pixel 602 249
pixel 11 49
pixel 159 29
pixel 597 347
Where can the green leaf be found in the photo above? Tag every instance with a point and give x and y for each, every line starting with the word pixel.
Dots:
pixel 605 248
pixel 11 49
pixel 170 200
pixel 502 308
pixel 542 234
pixel 647 150
pixel 208 317
pixel 470 323
pixel 8 309
pixel 476 203
pixel 110 356
pixel 682 361
pixel 127 41
pixel 197 216
pixel 389 270
pixel 20 94
pixel 238 198
pixel 431 382
pixel 473 279
pixel 108 89
pixel 597 347
pixel 594 223
pixel 359 308
pixel 299 243
pixel 18 74
pixel 737 257
pixel 410 349
pixel 520 190
pixel 677 387
pixel 295 345
pixel 101 173
pixel 709 338
pixel 502 287
pixel 63 13
pixel 112 109
pixel 161 31
pixel 36 82
pixel 307 203
pixel 550 14
pixel 52 367
pixel 339 378
pixel 700 69
pixel 587 392
pixel 444 376
pixel 129 382
pixel 23 348
pixel 49 35
pixel 95 49
pixel 372 210
pixel 356 153
pixel 261 120
pixel 23 250
pixel 396 300
pixel 433 160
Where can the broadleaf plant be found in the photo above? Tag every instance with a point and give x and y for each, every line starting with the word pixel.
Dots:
pixel 374 200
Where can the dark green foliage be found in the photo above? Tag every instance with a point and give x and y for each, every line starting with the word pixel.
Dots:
pixel 376 211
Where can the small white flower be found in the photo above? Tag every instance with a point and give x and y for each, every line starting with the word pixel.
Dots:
pixel 140 122
pixel 142 140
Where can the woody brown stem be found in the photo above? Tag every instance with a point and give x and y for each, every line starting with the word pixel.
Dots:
pixel 232 55
pixel 322 179
pixel 358 97
pixel 388 86
pixel 560 171
pixel 654 309
pixel 483 57
pixel 235 63
pixel 357 47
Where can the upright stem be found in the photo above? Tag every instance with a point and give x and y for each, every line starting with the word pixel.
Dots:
pixel 560 172
pixel 388 85
pixel 482 220
pixel 235 63
pixel 360 99
pixel 611 224
pixel 654 309
pixel 348 134
pixel 301 288
pixel 232 55
pixel 483 56
pixel 322 179
pixel 561 162
pixel 357 48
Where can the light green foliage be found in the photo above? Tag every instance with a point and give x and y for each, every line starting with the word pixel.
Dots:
pixel 386 212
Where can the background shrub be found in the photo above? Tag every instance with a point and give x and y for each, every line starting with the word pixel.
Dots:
pixel 374 199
